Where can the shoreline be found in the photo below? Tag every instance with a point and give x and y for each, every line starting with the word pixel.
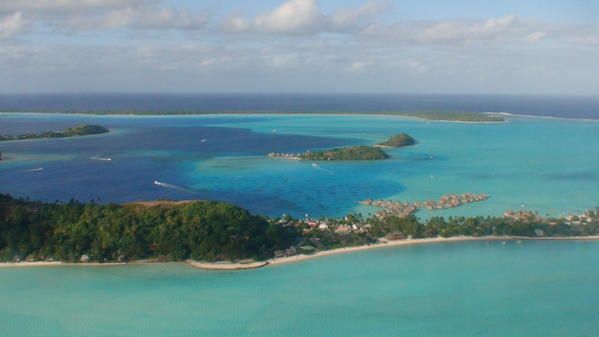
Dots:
pixel 231 266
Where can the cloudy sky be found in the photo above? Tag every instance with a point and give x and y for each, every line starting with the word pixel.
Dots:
pixel 326 46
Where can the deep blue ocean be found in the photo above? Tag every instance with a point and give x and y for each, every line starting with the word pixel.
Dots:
pixel 584 107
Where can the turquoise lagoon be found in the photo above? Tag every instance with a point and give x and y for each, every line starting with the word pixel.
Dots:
pixel 532 289
pixel 548 165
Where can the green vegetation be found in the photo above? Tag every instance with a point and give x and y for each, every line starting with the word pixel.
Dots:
pixel 202 230
pixel 361 152
pixel 211 231
pixel 482 226
pixel 399 140
pixel 79 130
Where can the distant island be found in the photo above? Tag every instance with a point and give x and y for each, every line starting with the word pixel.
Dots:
pixel 361 152
pixel 79 130
pixel 467 117
pixel 450 116
pixel 399 140
pixel 217 233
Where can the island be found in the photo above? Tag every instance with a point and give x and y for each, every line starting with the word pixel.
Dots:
pixel 449 116
pixel 79 130
pixel 398 140
pixel 453 116
pixel 361 152
pixel 216 235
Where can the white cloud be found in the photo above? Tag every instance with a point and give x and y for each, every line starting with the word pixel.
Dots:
pixel 236 24
pixel 353 18
pixel 282 61
pixel 463 32
pixel 65 6
pixel 305 17
pixel 75 15
pixel 415 66
pixel 367 50
pixel 294 16
pixel 588 40
pixel 359 66
pixel 293 64
pixel 587 37
pixel 499 31
pixel 168 19
pixel 150 18
pixel 11 24
pixel 536 36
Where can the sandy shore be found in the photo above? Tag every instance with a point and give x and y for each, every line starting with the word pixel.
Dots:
pixel 226 265
pixel 557 238
pixel 382 244
pixel 59 263
pixel 398 243
pixel 302 257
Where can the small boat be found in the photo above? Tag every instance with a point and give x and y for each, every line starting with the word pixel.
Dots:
pixel 315 165
pixel 203 140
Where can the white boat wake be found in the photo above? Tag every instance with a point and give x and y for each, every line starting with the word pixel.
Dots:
pixel 101 158
pixel 35 169
pixel 175 187
pixel 318 167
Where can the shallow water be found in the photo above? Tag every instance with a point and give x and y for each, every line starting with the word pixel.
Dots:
pixel 541 164
pixel 532 289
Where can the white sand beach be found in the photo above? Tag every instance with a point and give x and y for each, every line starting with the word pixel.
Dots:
pixel 226 265
pixel 302 257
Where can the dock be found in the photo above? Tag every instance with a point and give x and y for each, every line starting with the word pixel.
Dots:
pixel 403 209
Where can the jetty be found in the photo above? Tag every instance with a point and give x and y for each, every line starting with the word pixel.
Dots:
pixel 403 209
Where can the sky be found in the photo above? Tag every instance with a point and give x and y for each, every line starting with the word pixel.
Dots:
pixel 300 46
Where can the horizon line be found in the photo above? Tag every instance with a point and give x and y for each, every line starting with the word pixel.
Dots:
pixel 274 93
